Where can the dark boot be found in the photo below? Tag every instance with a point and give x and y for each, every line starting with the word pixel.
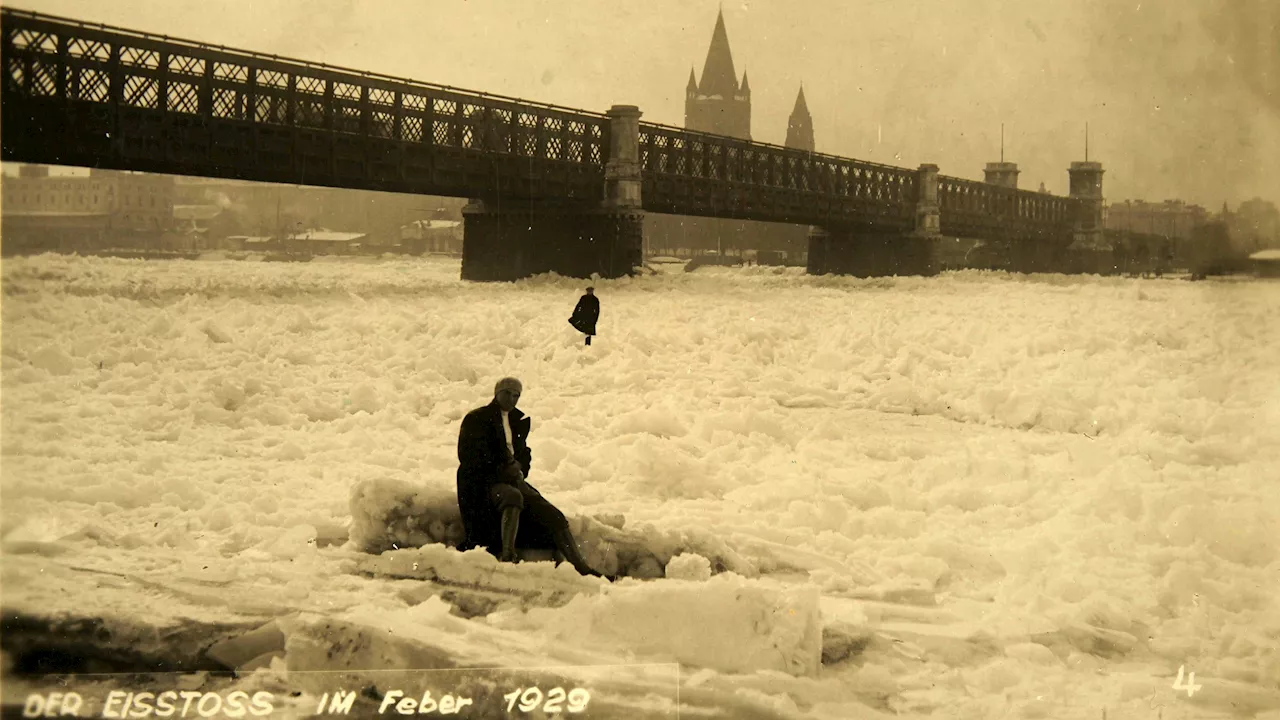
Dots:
pixel 510 526
pixel 569 549
pixel 588 339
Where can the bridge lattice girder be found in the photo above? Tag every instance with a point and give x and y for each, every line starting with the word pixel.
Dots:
pixel 93 96
pixel 692 173
pixel 77 94
pixel 980 210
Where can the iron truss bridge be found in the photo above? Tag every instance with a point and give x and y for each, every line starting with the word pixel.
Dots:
pixel 94 96
pixel 972 209
pixel 90 95
pixel 693 173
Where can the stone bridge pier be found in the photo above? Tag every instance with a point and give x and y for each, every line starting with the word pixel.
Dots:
pixel 1091 251
pixel 507 240
pixel 854 251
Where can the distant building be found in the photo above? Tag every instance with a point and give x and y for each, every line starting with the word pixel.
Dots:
pixel 1255 225
pixel 195 221
pixel 432 236
pixel 1266 263
pixel 718 104
pixel 721 104
pixel 1171 218
pixel 247 243
pixel 251 208
pixel 800 125
pixel 325 242
pixel 43 212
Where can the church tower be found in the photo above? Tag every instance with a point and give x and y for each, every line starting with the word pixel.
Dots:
pixel 719 103
pixel 800 125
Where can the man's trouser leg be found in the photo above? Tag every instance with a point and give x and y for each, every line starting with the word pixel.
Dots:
pixel 510 526
pixel 569 548
pixel 550 517
pixel 509 499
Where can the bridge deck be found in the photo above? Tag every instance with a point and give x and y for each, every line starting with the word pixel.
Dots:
pixel 97 96
pixel 692 173
pixel 86 95
pixel 980 210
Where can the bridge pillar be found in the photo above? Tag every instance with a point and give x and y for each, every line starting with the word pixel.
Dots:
pixel 519 238
pixel 1091 251
pixel 928 209
pixel 622 171
pixel 508 243
pixel 621 221
pixel 1004 174
pixel 839 250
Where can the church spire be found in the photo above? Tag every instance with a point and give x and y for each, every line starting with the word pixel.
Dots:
pixel 718 102
pixel 800 125
pixel 718 76
pixel 801 107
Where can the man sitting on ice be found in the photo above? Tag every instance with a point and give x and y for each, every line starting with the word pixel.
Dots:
pixel 493 495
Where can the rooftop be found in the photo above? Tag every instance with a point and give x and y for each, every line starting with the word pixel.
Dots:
pixel 328 236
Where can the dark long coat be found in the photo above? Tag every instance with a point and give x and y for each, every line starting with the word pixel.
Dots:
pixel 585 314
pixel 482 453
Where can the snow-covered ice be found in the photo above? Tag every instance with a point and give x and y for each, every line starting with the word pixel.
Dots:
pixel 974 495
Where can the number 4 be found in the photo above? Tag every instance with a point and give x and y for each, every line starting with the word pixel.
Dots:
pixel 1191 687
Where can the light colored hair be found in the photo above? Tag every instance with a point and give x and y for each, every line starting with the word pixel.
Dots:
pixel 507 382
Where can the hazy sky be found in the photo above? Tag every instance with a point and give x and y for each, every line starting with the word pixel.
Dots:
pixel 1181 96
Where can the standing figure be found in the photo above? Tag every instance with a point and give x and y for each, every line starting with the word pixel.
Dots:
pixel 586 313
pixel 500 510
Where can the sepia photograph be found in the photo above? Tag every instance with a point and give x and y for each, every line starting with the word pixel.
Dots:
pixel 768 360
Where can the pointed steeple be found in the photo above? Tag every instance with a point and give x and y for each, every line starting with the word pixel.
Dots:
pixel 693 82
pixel 800 125
pixel 801 108
pixel 717 102
pixel 718 76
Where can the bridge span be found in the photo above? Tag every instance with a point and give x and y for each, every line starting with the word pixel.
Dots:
pixel 551 188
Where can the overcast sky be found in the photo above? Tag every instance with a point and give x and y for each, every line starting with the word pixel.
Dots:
pixel 1181 96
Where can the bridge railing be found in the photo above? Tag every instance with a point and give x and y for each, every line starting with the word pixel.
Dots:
pixel 969 208
pixel 694 173
pixel 81 93
pixel 65 60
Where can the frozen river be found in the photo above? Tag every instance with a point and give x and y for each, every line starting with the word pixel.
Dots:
pixel 988 495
